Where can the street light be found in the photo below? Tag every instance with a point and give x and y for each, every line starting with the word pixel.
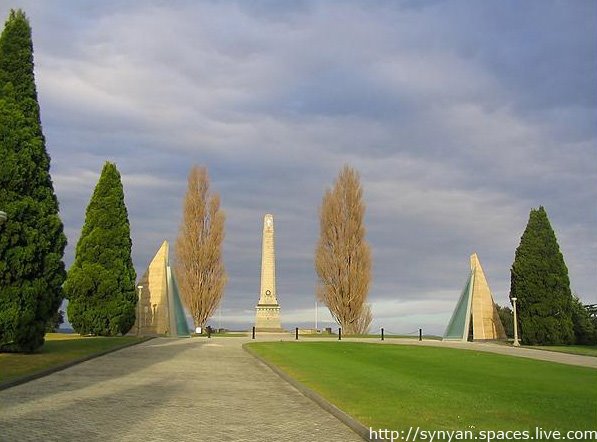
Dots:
pixel 140 288
pixel 3 217
pixel 515 343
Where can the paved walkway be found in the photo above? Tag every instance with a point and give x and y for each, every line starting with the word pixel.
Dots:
pixel 530 353
pixel 166 390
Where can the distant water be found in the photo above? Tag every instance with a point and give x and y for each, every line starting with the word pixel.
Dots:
pixel 65 330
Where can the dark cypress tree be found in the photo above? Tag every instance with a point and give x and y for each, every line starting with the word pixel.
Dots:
pixel 16 65
pixel 100 285
pixel 585 332
pixel 32 240
pixel 506 316
pixel 539 279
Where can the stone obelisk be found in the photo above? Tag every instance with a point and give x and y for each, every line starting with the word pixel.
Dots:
pixel 267 316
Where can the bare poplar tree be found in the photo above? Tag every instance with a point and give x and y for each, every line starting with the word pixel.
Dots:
pixel 343 256
pixel 199 265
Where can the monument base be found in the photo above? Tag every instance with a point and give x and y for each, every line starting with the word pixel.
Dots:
pixel 267 318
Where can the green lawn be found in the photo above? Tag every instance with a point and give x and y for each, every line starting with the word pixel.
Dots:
pixel 584 350
pixel 58 349
pixel 396 386
pixel 369 336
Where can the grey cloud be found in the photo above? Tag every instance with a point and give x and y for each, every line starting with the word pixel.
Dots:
pixel 460 116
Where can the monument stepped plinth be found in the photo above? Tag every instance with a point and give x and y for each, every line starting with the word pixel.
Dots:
pixel 267 311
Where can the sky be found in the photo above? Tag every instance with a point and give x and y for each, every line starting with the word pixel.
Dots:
pixel 460 116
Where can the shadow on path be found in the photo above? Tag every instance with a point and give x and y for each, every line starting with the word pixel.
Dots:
pixel 167 389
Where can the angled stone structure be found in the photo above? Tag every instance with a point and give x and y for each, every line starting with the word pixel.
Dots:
pixel 159 309
pixel 459 325
pixel 267 315
pixel 475 316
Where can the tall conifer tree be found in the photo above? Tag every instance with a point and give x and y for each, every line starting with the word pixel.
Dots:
pixel 32 240
pixel 100 285
pixel 539 279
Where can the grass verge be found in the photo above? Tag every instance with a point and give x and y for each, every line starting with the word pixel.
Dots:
pixel 59 349
pixel 397 386
pixel 370 336
pixel 583 350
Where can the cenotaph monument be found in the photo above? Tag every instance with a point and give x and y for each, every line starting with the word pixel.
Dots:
pixel 267 316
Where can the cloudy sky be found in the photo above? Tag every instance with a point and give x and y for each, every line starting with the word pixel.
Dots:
pixel 460 116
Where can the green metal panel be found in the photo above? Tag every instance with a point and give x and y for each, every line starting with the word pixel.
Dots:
pixel 460 322
pixel 177 319
pixel 182 328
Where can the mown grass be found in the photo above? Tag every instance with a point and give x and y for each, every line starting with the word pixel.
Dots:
pixel 584 350
pixel 58 349
pixel 369 336
pixel 397 386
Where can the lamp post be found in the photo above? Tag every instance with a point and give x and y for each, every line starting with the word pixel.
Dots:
pixel 3 217
pixel 140 288
pixel 515 343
